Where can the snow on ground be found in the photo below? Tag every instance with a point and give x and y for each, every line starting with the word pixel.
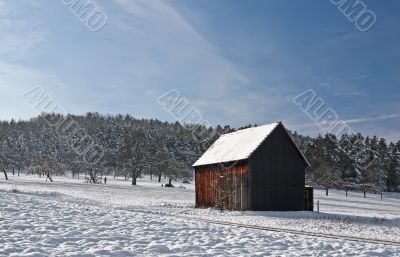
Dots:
pixel 356 204
pixel 72 218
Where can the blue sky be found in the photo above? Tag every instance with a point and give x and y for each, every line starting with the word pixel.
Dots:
pixel 236 62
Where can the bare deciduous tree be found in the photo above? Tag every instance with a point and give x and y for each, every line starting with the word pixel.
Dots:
pixel 47 166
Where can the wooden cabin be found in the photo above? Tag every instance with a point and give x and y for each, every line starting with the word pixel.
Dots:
pixel 258 168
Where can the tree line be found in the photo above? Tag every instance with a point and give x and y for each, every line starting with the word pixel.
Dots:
pixel 129 147
pixel 351 162
pixel 132 147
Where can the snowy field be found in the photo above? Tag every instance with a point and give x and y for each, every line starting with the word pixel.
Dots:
pixel 72 218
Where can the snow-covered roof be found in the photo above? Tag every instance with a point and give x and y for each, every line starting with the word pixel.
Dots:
pixel 236 146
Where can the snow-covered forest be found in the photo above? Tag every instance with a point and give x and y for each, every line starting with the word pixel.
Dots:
pixel 135 147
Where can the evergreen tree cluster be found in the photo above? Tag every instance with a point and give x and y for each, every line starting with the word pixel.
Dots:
pixel 134 147
pixel 351 162
pixel 129 147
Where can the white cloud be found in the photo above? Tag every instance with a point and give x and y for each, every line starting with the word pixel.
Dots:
pixel 19 32
pixel 15 81
pixel 371 119
pixel 366 125
pixel 19 46
pixel 171 50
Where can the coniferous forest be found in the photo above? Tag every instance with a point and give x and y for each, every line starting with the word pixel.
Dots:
pixel 51 144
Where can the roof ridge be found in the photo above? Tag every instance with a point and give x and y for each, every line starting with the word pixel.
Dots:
pixel 236 145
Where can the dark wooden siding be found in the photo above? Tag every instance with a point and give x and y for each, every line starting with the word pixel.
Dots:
pixel 222 186
pixel 277 171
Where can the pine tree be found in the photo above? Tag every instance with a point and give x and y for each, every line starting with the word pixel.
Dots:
pixel 324 159
pixel 393 169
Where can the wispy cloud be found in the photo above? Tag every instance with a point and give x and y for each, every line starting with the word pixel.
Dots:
pixel 192 61
pixel 19 34
pixel 19 46
pixel 366 125
pixel 350 93
pixel 371 119
pixel 15 80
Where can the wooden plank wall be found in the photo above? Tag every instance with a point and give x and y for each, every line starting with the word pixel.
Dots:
pixel 221 187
